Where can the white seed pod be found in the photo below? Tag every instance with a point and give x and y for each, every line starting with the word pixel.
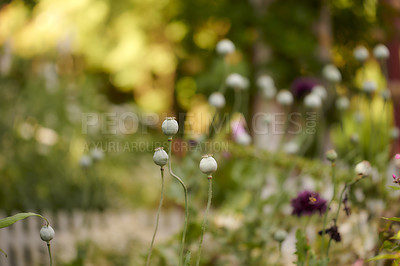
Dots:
pixel 369 86
pixel 342 103
pixel 386 95
pixel 320 91
pixel 312 101
pixel 363 169
pixel 208 164
pixel 47 233
pixel 243 139
pixel 331 73
pixel 267 86
pixel 85 161
pixel 225 47
pixel 280 235
pixel 291 148
pixel 170 126
pixel 237 81
pixel 160 157
pixel 361 53
pixel 381 52
pixel 285 98
pixel 265 81
pixel 97 154
pixel 217 100
pixel 331 155
pixel 395 133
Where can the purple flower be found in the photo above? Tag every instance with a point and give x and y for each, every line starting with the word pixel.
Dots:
pixel 303 85
pixel 308 202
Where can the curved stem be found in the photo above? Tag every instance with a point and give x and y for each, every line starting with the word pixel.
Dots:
pixel 346 186
pixel 48 248
pixel 328 207
pixel 157 217
pixel 203 227
pixel 186 201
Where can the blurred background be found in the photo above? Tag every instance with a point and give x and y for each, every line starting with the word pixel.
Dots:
pixel 86 84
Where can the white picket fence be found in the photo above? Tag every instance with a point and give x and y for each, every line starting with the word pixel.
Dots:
pixel 113 230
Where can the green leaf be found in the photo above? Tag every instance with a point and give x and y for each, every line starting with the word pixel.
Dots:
pixel 394 219
pixel 384 257
pixel 5 222
pixel 394 187
pixel 187 259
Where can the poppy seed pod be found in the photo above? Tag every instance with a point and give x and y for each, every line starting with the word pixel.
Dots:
pixel 160 157
pixel 284 98
pixel 332 73
pixel 369 86
pixel 320 91
pixel 47 233
pixel 361 53
pixel 342 103
pixel 237 81
pixel 381 52
pixel 208 164
pixel 312 101
pixel 170 126
pixel 363 169
pixel 225 47
pixel 331 155
pixel 280 235
pixel 217 100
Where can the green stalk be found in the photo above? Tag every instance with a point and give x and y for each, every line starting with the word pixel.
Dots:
pixel 328 207
pixel 203 227
pixel 186 201
pixel 236 103
pixel 48 248
pixel 157 217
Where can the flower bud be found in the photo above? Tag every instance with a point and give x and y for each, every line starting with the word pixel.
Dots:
pixel 312 101
pixel 47 233
pixel 160 157
pixel 170 126
pixel 361 53
pixel 363 169
pixel 225 47
pixel 332 73
pixel 280 235
pixel 291 148
pixel 267 86
pixel 342 103
pixel 331 155
pixel 217 100
pixel 284 98
pixel 208 164
pixel 381 52
pixel 97 154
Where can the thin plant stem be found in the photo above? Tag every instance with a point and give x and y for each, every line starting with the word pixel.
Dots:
pixel 203 227
pixel 157 217
pixel 236 103
pixel 346 186
pixel 186 202
pixel 328 207
pixel 49 250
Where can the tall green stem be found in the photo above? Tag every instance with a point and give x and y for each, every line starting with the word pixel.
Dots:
pixel 48 248
pixel 203 227
pixel 157 217
pixel 236 103
pixel 328 207
pixel 186 201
